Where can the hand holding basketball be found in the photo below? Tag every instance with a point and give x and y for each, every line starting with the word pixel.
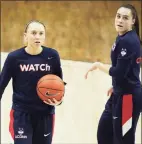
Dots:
pixel 55 103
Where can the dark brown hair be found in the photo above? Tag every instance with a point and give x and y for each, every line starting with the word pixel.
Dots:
pixel 135 16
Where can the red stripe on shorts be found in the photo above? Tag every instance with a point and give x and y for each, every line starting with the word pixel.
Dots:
pixel 127 108
pixel 11 123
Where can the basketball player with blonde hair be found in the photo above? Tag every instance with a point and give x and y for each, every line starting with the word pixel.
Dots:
pixel 31 119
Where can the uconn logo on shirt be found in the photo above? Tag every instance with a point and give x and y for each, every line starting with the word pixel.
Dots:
pixel 34 67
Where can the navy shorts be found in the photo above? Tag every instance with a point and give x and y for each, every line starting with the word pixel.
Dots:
pixel 27 128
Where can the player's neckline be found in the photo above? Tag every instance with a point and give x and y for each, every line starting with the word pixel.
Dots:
pixel 32 54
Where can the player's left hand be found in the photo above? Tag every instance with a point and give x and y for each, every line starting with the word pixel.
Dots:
pixel 55 103
pixel 110 91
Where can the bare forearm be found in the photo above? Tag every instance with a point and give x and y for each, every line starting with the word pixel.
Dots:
pixel 100 66
pixel 104 68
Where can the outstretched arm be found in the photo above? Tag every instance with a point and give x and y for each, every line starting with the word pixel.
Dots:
pixel 100 66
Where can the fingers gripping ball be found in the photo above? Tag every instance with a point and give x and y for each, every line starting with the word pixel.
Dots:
pixel 49 87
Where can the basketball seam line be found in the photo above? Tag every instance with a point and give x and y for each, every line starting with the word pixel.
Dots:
pixel 51 79
pixel 50 88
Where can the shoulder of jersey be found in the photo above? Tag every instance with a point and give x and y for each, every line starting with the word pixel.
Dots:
pixel 131 38
pixel 131 41
pixel 16 52
pixel 50 50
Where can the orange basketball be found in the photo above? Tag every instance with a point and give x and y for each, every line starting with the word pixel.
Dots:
pixel 50 86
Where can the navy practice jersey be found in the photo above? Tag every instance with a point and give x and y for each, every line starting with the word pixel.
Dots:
pixel 125 56
pixel 25 71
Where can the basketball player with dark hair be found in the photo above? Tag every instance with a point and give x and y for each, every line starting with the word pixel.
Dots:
pixel 31 119
pixel 118 122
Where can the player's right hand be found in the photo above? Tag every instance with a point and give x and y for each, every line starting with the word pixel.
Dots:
pixel 55 103
pixel 110 91
pixel 93 67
